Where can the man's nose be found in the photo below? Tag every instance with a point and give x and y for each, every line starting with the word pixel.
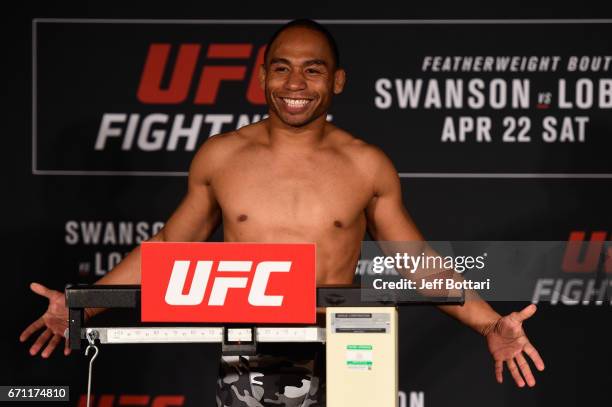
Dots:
pixel 295 81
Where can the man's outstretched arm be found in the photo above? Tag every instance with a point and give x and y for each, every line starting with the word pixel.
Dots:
pixel 194 220
pixel 388 220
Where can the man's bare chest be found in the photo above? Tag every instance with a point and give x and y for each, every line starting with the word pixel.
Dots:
pixel 292 193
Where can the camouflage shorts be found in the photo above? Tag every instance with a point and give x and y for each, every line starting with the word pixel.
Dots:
pixel 281 375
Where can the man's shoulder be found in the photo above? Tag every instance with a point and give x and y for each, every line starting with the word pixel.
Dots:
pixel 218 151
pixel 223 144
pixel 357 148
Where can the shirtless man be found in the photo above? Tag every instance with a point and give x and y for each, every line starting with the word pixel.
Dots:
pixel 294 177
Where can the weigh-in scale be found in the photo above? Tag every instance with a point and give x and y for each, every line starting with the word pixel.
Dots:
pixel 361 338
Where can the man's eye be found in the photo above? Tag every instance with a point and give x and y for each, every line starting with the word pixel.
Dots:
pixel 313 71
pixel 280 69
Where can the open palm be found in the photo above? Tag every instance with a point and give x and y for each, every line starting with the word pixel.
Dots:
pixel 508 344
pixel 54 321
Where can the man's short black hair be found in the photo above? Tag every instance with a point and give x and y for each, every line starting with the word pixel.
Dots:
pixel 310 24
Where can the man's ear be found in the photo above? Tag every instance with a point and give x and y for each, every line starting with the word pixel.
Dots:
pixel 262 76
pixel 339 80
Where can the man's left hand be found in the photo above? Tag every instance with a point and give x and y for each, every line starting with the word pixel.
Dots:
pixel 508 343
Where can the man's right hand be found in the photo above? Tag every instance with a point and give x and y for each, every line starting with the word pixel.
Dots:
pixel 54 322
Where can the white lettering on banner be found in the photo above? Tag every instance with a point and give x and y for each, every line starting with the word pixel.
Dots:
pixel 417 399
pixel 190 133
pixel 480 126
pixel 482 63
pixel 432 96
pixel 584 94
pixel 568 133
pixel 572 291
pixel 474 93
pixel 384 99
pixel 243 120
pixel 476 100
pixel 163 132
pixel 522 125
pixel 109 233
pixel 106 130
pixel 98 234
pixel 497 93
pixel 567 129
pixel 588 63
pixel 517 63
pixel 104 263
pixel 156 139
pixel 221 285
pixel 217 121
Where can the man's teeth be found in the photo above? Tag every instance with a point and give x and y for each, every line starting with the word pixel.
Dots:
pixel 296 102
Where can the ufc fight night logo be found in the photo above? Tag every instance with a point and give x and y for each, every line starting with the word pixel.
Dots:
pixel 228 282
pixel 587 264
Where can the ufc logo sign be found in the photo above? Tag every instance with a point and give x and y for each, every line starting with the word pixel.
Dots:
pixel 585 257
pixel 228 282
pixel 221 285
pixel 182 73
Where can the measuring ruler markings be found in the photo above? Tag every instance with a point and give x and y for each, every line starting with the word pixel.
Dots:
pixel 207 334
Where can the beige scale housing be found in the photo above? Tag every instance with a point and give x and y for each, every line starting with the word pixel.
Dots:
pixel 362 363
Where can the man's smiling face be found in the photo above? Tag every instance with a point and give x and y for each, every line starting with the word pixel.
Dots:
pixel 300 76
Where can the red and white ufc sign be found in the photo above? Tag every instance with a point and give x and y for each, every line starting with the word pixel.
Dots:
pixel 228 282
pixel 183 73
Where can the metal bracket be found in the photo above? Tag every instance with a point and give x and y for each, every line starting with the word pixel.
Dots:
pixel 239 341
